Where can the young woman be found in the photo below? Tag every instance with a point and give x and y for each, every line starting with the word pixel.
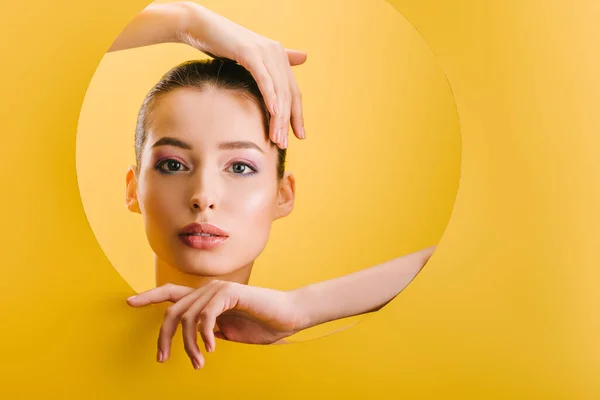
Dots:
pixel 206 165
pixel 208 181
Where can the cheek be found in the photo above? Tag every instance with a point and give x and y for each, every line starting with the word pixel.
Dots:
pixel 256 206
pixel 254 213
pixel 159 200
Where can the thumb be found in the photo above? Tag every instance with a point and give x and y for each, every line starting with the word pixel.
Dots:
pixel 296 57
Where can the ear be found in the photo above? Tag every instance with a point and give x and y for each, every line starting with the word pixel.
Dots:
pixel 131 199
pixel 285 195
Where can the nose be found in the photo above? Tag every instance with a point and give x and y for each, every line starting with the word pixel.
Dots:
pixel 203 197
pixel 201 203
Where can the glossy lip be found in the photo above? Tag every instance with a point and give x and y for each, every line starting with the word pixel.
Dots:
pixel 202 228
pixel 189 236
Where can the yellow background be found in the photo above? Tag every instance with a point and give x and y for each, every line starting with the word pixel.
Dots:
pixel 506 308
pixel 376 179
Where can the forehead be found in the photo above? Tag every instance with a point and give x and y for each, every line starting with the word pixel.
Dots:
pixel 207 114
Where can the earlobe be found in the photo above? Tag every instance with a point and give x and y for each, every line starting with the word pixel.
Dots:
pixel 286 195
pixel 131 199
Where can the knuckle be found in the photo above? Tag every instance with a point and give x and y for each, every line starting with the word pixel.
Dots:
pixel 204 314
pixel 169 288
pixel 273 46
pixel 170 313
pixel 187 319
pixel 264 46
pixel 221 284
pixel 215 284
pixel 225 283
pixel 228 287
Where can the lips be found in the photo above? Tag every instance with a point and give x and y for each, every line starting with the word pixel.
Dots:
pixel 202 236
pixel 203 230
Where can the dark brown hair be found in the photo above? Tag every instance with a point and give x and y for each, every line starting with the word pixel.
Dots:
pixel 220 73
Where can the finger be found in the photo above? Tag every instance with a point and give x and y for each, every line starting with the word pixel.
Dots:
pixel 264 80
pixel 172 317
pixel 167 292
pixel 274 123
pixel 297 117
pixel 189 327
pixel 278 71
pixel 296 57
pixel 222 301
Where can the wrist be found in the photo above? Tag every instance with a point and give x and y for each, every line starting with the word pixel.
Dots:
pixel 300 301
pixel 185 15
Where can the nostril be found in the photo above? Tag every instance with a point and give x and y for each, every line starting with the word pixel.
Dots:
pixel 196 206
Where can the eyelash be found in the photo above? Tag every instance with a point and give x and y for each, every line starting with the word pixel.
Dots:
pixel 161 163
pixel 254 171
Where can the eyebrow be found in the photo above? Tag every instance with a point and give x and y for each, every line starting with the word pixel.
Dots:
pixel 169 141
pixel 240 144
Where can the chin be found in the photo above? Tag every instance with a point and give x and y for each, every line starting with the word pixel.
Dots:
pixel 207 265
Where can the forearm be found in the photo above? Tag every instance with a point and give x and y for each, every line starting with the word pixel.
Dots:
pixel 361 292
pixel 157 23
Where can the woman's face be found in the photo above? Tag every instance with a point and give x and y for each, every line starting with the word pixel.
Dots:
pixel 206 160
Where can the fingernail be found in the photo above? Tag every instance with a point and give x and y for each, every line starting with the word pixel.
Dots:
pixel 197 364
pixel 303 133
pixel 159 356
pixel 275 110
pixel 132 297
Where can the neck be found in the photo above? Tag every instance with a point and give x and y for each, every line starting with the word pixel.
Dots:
pixel 165 273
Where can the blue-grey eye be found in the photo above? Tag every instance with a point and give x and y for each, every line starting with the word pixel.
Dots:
pixel 242 169
pixel 239 168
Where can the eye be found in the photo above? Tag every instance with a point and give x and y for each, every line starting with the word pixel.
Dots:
pixel 170 166
pixel 240 168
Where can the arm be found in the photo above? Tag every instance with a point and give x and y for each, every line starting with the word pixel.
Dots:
pixel 251 314
pixel 358 293
pixel 155 24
